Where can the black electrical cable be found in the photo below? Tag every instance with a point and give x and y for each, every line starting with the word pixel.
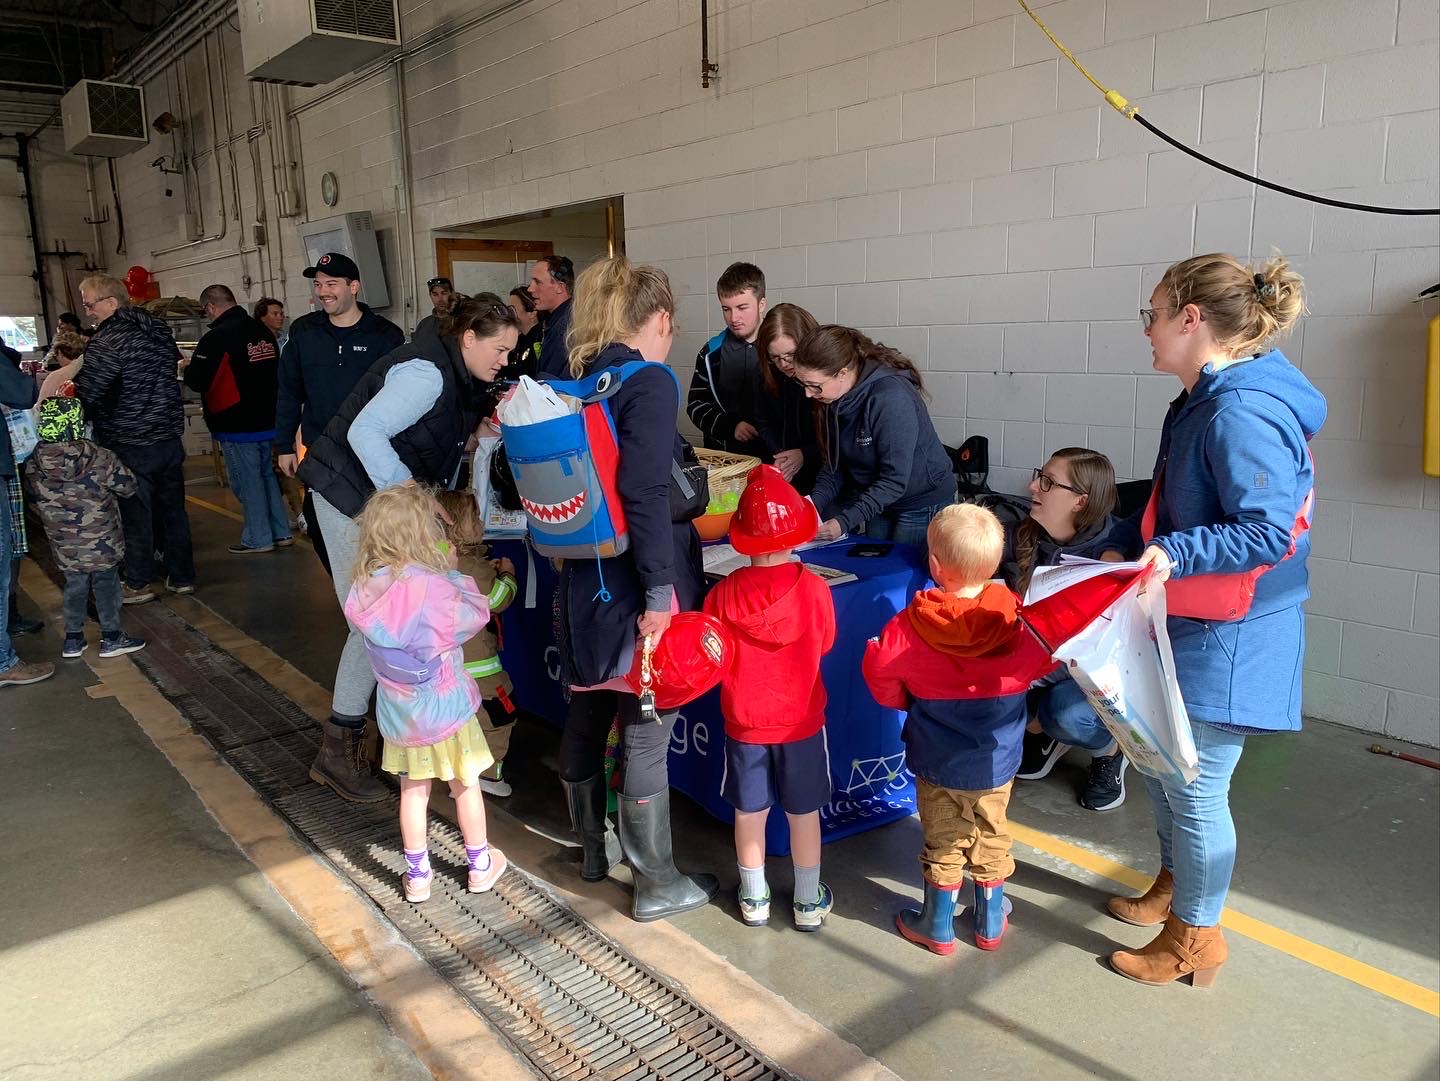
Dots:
pixel 1367 207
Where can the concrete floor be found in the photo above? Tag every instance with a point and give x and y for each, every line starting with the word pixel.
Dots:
pixel 1338 847
pixel 137 941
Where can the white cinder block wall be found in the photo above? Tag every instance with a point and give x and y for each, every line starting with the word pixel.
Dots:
pixel 930 171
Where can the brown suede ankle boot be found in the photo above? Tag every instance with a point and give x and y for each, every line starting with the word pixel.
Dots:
pixel 1177 951
pixel 341 764
pixel 1150 908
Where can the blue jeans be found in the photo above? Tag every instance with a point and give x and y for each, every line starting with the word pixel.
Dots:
pixel 8 657
pixel 1197 834
pixel 1065 714
pixel 252 478
pixel 905 526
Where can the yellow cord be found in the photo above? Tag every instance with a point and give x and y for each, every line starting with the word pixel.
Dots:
pixel 1114 97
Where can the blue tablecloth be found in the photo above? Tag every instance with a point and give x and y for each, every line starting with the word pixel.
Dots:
pixel 867 759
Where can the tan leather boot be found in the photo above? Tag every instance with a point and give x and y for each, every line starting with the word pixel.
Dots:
pixel 1150 908
pixel 1179 950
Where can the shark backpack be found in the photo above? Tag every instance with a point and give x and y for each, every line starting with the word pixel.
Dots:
pixel 565 470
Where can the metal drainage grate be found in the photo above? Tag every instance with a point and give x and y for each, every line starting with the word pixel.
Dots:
pixel 570 1000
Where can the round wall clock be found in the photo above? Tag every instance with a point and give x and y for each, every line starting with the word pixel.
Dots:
pixel 329 189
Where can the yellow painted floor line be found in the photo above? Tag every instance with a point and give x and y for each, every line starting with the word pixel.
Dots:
pixel 224 512
pixel 1322 957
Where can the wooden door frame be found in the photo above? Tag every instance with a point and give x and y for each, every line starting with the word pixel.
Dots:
pixel 446 246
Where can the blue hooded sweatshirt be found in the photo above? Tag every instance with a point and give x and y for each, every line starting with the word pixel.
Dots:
pixel 1237 470
pixel 883 455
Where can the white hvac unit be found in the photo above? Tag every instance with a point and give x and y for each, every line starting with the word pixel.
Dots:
pixel 309 42
pixel 353 235
pixel 104 119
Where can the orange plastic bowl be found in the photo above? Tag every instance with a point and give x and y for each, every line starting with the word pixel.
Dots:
pixel 714 527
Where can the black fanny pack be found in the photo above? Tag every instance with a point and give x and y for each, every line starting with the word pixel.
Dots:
pixel 689 487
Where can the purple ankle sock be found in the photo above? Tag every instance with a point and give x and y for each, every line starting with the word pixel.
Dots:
pixel 479 857
pixel 417 864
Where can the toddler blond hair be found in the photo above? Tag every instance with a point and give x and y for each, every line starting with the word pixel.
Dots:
pixel 967 542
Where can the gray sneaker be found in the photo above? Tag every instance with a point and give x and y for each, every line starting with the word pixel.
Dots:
pixel 755 911
pixel 810 917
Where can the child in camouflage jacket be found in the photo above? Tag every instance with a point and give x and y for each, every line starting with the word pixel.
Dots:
pixel 74 484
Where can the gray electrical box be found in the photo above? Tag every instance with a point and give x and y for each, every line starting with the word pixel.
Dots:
pixel 310 42
pixel 352 235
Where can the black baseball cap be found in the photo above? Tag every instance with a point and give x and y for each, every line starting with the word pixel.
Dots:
pixel 336 265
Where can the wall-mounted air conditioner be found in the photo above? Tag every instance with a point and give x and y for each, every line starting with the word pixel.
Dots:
pixel 105 119
pixel 353 235
pixel 309 42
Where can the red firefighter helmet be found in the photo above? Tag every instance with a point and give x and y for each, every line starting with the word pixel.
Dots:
pixel 772 516
pixel 690 659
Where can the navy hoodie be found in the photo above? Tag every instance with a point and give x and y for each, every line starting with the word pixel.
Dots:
pixel 882 453
pixel 319 367
pixel 1237 470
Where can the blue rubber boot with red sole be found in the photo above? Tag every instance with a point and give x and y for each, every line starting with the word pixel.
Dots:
pixel 934 925
pixel 991 913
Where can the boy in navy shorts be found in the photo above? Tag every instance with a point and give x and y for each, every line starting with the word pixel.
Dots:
pixel 959 662
pixel 782 620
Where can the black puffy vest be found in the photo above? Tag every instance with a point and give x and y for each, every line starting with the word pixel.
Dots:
pixel 431 448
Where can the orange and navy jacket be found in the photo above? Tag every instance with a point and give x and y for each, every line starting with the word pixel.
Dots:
pixel 960 667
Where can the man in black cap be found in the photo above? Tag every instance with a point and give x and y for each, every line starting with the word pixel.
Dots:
pixel 327 353
pixel 442 301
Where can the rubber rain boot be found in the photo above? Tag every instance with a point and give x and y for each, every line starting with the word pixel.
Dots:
pixel 341 765
pixel 934 925
pixel 660 890
pixel 1151 908
pixel 992 913
pixel 1179 950
pixel 601 847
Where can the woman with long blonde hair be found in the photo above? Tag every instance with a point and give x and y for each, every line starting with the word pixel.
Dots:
pixel 625 313
pixel 415 612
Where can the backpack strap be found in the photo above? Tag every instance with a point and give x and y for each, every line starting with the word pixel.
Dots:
pixel 604 383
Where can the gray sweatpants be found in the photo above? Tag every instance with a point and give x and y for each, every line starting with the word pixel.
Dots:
pixel 354 678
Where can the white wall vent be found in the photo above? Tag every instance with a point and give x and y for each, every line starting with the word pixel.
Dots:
pixel 105 119
pixel 309 42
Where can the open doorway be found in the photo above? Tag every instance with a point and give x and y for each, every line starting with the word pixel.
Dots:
pixel 498 255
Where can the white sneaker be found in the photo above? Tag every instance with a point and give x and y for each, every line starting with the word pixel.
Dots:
pixel 496 787
pixel 755 911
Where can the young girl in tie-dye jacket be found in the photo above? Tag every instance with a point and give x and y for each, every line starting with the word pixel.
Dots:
pixel 416 611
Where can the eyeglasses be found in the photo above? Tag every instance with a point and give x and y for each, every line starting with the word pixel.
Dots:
pixel 91 305
pixel 1044 481
pixel 1147 315
pixel 433 282
pixel 783 358
pixel 819 388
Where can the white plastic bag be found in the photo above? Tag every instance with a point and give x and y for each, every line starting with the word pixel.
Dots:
pixel 1123 663
pixel 498 521
pixel 531 403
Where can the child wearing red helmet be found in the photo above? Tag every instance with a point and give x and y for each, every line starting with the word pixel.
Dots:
pixel 959 662
pixel 782 621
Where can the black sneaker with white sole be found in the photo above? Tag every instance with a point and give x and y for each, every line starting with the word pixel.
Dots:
pixel 119 644
pixel 1038 756
pixel 1105 788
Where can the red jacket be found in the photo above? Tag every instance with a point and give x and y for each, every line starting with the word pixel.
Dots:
pixel 960 667
pixel 783 621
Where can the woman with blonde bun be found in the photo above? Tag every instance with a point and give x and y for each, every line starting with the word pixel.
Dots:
pixel 1232 475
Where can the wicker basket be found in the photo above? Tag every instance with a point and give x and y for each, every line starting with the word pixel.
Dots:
pixel 725 469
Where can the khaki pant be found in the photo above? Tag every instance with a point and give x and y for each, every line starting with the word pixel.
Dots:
pixel 498 739
pixel 964 829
